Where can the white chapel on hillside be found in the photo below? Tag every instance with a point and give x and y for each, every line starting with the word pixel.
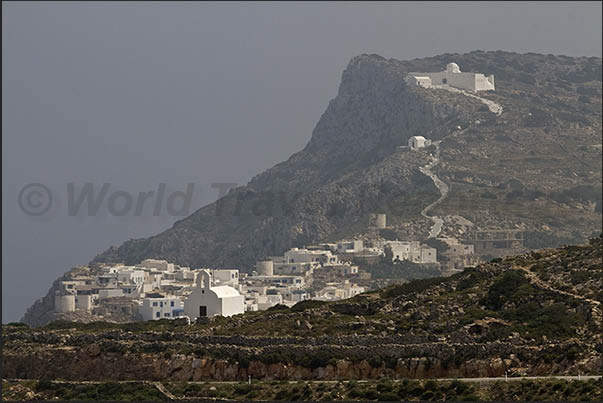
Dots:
pixel 452 77
pixel 416 142
pixel 206 300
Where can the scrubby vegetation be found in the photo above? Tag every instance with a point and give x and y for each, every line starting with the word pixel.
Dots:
pixel 540 307
pixel 384 390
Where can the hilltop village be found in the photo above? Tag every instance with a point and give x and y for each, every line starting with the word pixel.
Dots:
pixel 157 289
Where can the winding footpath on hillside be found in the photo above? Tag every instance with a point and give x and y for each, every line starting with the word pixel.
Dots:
pixel 436 228
pixel 535 280
pixel 493 106
pixel 438 222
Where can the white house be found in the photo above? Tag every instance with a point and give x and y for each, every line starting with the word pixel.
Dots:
pixel 226 277
pixel 110 293
pixel 349 246
pixel 452 77
pixel 157 306
pixel 107 279
pixel 130 276
pixel 294 281
pixel 413 251
pixel 264 302
pixel 294 269
pixel 334 292
pixel 157 264
pixel 416 142
pixel 86 299
pixel 206 300
pixel 420 81
pixel 296 255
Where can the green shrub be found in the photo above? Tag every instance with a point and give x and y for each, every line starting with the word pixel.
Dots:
pixel 384 386
pixel 458 386
pixel 413 286
pixel 375 361
pixel 430 385
pixel 503 288
pixel 388 397
pixel 243 389
pixel 44 384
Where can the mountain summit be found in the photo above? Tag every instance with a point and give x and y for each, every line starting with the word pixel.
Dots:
pixel 536 166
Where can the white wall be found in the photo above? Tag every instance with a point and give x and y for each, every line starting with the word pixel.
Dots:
pixel 483 83
pixel 233 305
pixel 465 81
pixel 428 255
pixel 158 264
pixel 164 307
pixel 226 306
pixel 131 276
pixel 86 301
pixel 226 276
pixel 110 293
pixel 64 303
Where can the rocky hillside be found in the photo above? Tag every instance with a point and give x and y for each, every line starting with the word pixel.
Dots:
pixel 536 166
pixel 533 314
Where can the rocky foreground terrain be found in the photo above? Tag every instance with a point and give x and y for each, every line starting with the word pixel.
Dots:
pixel 383 390
pixel 538 313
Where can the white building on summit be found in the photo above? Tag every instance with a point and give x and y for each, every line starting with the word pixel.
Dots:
pixel 416 142
pixel 206 300
pixel 452 77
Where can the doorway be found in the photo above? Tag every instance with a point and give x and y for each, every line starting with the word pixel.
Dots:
pixel 202 311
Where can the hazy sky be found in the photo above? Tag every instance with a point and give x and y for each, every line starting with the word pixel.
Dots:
pixel 136 94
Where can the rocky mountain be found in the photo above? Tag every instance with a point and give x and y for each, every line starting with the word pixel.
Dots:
pixel 536 166
pixel 538 313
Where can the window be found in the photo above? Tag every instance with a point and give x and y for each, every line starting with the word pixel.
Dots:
pixel 171 303
pixel 444 81
pixel 161 304
pixel 157 314
pixel 154 303
pixel 167 315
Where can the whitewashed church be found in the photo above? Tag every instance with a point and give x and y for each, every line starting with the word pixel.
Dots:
pixel 206 300
pixel 452 77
